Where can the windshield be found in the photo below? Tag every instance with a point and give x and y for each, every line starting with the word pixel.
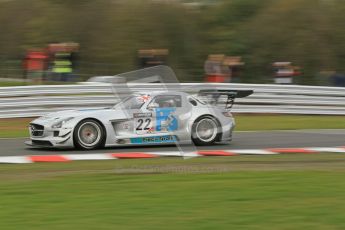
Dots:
pixel 132 102
pixel 199 100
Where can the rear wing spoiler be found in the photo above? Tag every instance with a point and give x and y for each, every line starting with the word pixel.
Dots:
pixel 230 95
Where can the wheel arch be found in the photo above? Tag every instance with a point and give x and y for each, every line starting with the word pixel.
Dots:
pixel 96 120
pixel 219 133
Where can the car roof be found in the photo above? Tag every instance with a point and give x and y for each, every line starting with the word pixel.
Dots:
pixel 155 93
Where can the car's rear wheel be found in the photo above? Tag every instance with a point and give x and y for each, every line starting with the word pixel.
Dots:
pixel 205 131
pixel 89 134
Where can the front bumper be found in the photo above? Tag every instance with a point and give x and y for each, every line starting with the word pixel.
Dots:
pixel 39 143
pixel 48 137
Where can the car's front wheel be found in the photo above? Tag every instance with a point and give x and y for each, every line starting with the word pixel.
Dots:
pixel 205 131
pixel 89 134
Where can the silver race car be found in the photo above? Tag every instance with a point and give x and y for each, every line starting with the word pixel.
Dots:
pixel 142 119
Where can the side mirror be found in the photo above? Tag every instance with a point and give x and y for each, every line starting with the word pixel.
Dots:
pixel 152 106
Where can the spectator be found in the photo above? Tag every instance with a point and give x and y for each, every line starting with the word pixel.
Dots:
pixel 35 64
pixel 338 79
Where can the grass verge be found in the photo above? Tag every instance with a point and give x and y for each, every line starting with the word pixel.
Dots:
pixel 288 122
pixel 17 127
pixel 14 127
pixel 243 192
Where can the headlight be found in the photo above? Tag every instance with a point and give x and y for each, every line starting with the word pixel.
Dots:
pixel 61 122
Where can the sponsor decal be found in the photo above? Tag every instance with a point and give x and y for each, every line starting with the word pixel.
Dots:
pixel 144 98
pixel 155 139
pixel 151 130
pixel 166 120
pixel 125 126
pixel 141 115
pixel 144 125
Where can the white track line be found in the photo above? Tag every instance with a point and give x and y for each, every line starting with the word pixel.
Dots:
pixel 252 151
pixel 185 155
pixel 325 149
pixel 176 154
pixel 94 156
pixel 15 160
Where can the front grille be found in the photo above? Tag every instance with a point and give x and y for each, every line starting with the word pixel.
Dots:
pixel 42 143
pixel 36 130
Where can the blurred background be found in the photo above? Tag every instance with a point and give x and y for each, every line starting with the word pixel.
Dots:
pixel 249 41
pixel 282 42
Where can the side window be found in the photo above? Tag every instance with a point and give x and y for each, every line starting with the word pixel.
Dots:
pixel 167 101
pixel 192 101
pixel 198 100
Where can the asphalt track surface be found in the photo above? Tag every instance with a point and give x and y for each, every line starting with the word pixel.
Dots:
pixel 241 140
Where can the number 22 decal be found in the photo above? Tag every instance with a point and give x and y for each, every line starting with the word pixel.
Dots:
pixel 144 124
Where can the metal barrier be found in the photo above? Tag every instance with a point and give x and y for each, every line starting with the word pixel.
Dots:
pixel 29 101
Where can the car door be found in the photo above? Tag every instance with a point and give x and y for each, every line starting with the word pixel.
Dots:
pixel 165 114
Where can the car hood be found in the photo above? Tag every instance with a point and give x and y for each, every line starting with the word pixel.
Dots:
pixel 83 113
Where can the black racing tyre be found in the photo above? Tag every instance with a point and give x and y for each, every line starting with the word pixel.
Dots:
pixel 205 130
pixel 89 134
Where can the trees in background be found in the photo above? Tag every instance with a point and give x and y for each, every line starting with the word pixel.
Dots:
pixel 309 33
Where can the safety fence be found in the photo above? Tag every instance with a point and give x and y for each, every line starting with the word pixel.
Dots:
pixel 30 101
